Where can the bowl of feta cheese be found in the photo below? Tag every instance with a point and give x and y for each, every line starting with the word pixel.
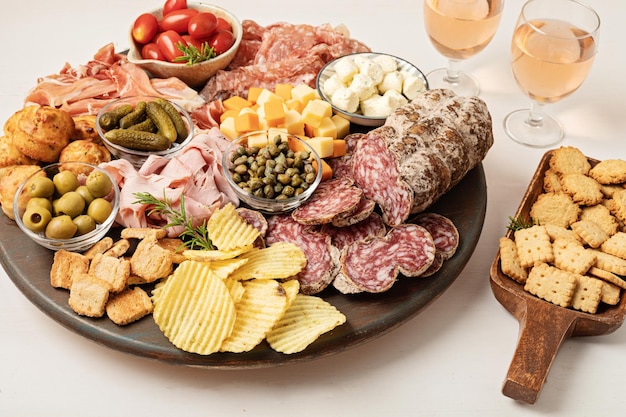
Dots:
pixel 367 87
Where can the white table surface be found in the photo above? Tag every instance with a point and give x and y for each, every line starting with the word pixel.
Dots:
pixel 450 360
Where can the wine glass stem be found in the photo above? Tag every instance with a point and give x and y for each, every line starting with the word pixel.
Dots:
pixel 453 71
pixel 535 116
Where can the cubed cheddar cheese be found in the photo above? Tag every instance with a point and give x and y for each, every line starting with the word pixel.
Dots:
pixel 253 94
pixel 326 128
pixel 327 171
pixel 342 124
pixel 323 145
pixel 284 91
pixel 227 127
pixel 293 104
pixel 339 148
pixel 228 113
pixel 247 121
pixel 266 95
pixel 303 93
pixel 316 110
pixel 258 139
pixel 236 103
pixel 293 123
pixel 274 112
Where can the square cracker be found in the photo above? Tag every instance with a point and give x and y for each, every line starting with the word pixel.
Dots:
pixel 572 256
pixel 128 306
pixel 587 294
pixel 590 232
pixel 150 261
pixel 65 266
pixel 551 284
pixel 509 261
pixel 615 245
pixel 113 270
pixel 611 293
pixel 88 295
pixel 533 246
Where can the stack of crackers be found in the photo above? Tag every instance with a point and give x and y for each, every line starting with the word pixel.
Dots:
pixel 574 254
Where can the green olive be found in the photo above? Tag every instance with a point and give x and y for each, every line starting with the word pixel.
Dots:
pixel 36 218
pixel 39 202
pixel 70 203
pixel 84 223
pixel 85 193
pixel 99 210
pixel 61 227
pixel 99 184
pixel 65 181
pixel 40 187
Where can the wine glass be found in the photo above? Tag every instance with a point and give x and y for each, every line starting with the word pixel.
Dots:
pixel 554 45
pixel 459 29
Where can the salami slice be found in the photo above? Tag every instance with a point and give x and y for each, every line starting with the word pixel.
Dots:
pixel 375 170
pixel 373 265
pixel 368 228
pixel 320 269
pixel 332 198
pixel 444 232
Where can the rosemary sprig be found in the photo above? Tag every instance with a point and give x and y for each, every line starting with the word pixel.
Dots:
pixel 193 237
pixel 519 223
pixel 192 55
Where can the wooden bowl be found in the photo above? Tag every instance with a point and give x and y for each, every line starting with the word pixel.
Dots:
pixel 543 326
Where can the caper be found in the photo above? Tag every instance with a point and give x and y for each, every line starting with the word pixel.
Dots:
pixel 84 224
pixel 241 169
pixel 283 179
pixel 98 183
pixel 288 191
pixel 255 183
pixel 273 150
pixel 236 177
pixel 240 160
pixel 268 190
pixel 296 181
pixel 60 227
pixel 36 218
pixel 65 181
pixel 70 203
pixel 304 155
pixel 40 187
pixel 99 210
pixel 310 178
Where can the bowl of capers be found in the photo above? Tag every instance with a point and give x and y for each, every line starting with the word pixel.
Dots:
pixel 67 205
pixel 272 171
pixel 135 127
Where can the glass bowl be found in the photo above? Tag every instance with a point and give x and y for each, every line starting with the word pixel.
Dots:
pixel 195 75
pixel 77 243
pixel 136 157
pixel 264 204
pixel 357 117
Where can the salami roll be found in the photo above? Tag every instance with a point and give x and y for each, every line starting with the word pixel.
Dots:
pixel 332 198
pixel 373 265
pixel 320 269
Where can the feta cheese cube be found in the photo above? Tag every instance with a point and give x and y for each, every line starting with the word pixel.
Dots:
pixel 412 86
pixel 387 63
pixel 372 70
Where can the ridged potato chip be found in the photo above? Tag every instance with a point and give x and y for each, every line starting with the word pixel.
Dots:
pixel 235 288
pixel 305 320
pixel 202 255
pixel 194 309
pixel 228 230
pixel 263 304
pixel 292 288
pixel 224 267
pixel 278 261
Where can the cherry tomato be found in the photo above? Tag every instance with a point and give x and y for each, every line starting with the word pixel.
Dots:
pixel 221 41
pixel 168 42
pixel 193 41
pixel 171 5
pixel 151 51
pixel 223 24
pixel 145 28
pixel 178 20
pixel 202 25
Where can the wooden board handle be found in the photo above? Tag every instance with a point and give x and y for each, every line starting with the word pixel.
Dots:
pixel 542 332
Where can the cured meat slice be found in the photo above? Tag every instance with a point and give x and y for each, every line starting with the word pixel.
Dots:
pixel 369 228
pixel 373 265
pixel 332 198
pixel 362 212
pixel 444 232
pixel 424 148
pixel 320 269
pixel 375 169
pixel 342 165
pixel 254 218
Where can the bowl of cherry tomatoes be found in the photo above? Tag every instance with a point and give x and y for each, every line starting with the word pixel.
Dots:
pixel 188 41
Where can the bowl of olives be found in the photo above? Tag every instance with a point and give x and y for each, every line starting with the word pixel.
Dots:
pixel 135 127
pixel 272 171
pixel 67 205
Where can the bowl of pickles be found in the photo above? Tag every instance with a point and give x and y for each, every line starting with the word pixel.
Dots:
pixel 67 205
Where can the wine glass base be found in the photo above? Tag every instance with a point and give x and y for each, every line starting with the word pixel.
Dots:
pixel 519 128
pixel 463 85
